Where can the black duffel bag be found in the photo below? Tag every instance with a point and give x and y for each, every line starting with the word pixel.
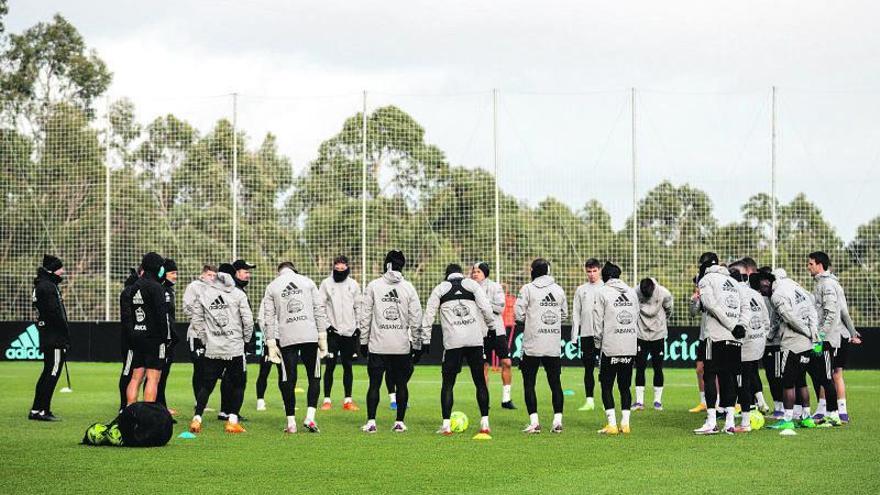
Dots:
pixel 145 424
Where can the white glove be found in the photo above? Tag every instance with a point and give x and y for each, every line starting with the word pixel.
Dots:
pixel 322 345
pixel 274 353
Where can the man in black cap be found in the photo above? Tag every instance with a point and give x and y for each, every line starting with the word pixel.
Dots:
pixel 168 284
pixel 54 334
pixel 151 331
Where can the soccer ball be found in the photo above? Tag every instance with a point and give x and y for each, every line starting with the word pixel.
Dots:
pixel 756 419
pixel 96 434
pixel 458 422
pixel 114 436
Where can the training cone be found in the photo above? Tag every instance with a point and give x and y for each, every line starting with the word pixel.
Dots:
pixel 568 391
pixel 788 433
pixel 186 435
pixel 66 390
pixel 482 436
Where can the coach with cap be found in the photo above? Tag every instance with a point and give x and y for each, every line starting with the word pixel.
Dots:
pixel 54 334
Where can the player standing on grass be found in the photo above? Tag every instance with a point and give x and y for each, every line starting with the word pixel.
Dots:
pixel 762 281
pixel 582 327
pixel 295 323
pixel 757 324
pixel 240 271
pixel 391 317
pixel 151 331
pixel 655 309
pixel 721 305
pixel 168 284
pixel 266 362
pixel 464 312
pixel 223 321
pixel 800 341
pixel 615 316
pixel 191 296
pixel 696 310
pixel 835 328
pixel 495 341
pixel 541 307
pixel 342 296
pixel 54 335
pixel 126 320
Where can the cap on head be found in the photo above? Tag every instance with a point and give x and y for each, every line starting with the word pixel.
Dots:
pixel 242 265
pixel 396 259
pixel 609 271
pixel 51 263
pixel 152 263
pixel 170 265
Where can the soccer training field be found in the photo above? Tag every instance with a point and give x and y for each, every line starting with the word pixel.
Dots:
pixel 660 456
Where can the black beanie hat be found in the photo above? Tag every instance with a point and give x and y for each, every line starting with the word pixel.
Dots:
pixel 396 259
pixel 540 267
pixel 483 267
pixel 51 263
pixel 152 262
pixel 227 268
pixel 609 271
pixel 170 265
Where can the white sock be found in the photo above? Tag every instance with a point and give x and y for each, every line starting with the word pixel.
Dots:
pixel 291 421
pixel 624 417
pixel 34 411
pixel 347 400
pixel 729 419
pixel 777 406
pixel 446 424
pixel 745 420
pixel 640 395
pixel 658 394
pixel 533 418
pixel 798 411
pixel 310 414
pixel 841 406
pixel 261 402
pixel 197 418
pixel 788 415
pixel 371 422
pixel 233 418
pixel 505 393
pixel 711 418
pixel 557 418
pixel 703 398
pixel 484 423
pixel 590 401
pixel 327 400
pixel 609 414
pixel 806 413
pixel 759 398
pixel 392 397
pixel 822 407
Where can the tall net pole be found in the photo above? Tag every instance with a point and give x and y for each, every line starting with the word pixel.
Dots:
pixel 773 219
pixel 364 192
pixel 234 175
pixel 107 246
pixel 635 198
pixel 495 159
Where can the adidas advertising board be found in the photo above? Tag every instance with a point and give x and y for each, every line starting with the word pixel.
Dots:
pixel 25 346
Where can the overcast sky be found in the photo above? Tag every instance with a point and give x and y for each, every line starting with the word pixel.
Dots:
pixel 703 72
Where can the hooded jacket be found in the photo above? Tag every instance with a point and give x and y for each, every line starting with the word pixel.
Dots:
pixel 223 319
pixel 464 312
pixel 797 312
pixel 391 315
pixel 720 303
pixel 834 318
pixel 757 325
pixel 654 313
pixel 541 306
pixel 498 300
pixel 51 314
pixel 774 336
pixel 615 317
pixel 343 300
pixel 191 296
pixel 582 309
pixel 172 312
pixel 126 316
pixel 150 309
pixel 293 309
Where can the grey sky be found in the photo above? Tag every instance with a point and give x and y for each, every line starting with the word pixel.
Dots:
pixel 703 72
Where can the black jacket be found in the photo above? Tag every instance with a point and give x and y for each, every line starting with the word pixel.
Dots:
pixel 172 315
pixel 149 307
pixel 126 314
pixel 51 315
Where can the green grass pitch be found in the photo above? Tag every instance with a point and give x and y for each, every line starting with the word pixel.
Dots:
pixel 660 456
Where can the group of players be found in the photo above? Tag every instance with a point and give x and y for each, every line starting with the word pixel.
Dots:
pixel 747 315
